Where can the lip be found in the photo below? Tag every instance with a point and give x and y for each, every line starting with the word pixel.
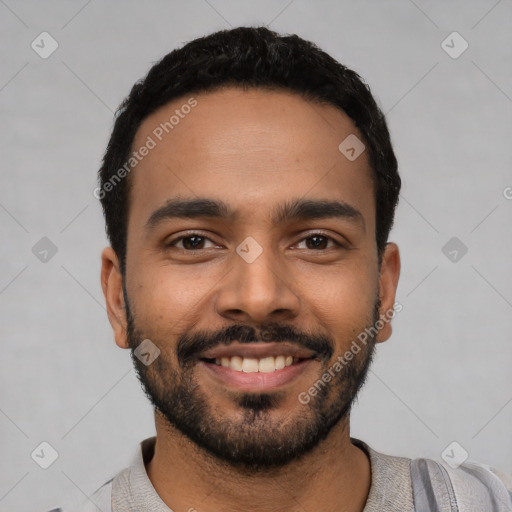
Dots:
pixel 255 381
pixel 258 351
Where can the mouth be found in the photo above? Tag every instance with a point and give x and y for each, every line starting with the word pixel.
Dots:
pixel 256 366
pixel 268 364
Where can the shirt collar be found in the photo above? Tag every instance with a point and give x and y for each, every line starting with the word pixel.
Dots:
pixel 390 483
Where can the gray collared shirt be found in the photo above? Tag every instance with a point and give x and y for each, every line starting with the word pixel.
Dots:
pixel 391 487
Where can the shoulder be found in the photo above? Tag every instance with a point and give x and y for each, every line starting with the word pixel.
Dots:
pixel 99 501
pixel 425 485
pixel 118 489
pixel 470 486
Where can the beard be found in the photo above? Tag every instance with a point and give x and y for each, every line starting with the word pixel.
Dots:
pixel 258 438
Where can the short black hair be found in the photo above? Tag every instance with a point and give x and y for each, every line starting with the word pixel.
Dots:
pixel 247 57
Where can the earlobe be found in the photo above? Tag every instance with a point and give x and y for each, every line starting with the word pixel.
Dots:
pixel 388 282
pixel 112 285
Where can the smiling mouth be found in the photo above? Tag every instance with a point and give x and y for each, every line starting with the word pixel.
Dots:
pixel 256 366
pixel 268 364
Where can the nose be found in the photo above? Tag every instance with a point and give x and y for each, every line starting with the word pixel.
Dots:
pixel 258 291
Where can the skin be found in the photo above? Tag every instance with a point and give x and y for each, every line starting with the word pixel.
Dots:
pixel 253 149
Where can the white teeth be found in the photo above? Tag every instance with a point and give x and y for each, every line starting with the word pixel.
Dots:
pixel 236 363
pixel 251 365
pixel 267 365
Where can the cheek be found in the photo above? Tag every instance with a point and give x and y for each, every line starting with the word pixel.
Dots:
pixel 164 297
pixel 343 303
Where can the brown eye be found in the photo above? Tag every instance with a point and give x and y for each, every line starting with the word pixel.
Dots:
pixel 191 242
pixel 319 241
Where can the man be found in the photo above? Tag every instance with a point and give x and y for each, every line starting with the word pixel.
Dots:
pixel 249 188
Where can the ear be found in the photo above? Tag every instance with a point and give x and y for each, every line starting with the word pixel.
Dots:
pixel 388 282
pixel 112 284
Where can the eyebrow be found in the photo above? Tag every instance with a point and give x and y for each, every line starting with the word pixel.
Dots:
pixel 293 210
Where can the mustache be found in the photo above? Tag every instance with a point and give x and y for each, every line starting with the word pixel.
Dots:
pixel 190 345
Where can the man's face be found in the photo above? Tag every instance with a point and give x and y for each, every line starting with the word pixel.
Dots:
pixel 253 289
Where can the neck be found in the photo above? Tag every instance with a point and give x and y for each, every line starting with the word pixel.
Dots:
pixel 334 476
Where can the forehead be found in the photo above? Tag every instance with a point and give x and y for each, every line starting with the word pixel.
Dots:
pixel 248 148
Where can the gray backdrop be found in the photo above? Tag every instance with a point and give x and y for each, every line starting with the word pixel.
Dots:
pixel 443 377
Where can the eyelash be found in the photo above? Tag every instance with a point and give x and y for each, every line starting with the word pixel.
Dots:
pixel 172 243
